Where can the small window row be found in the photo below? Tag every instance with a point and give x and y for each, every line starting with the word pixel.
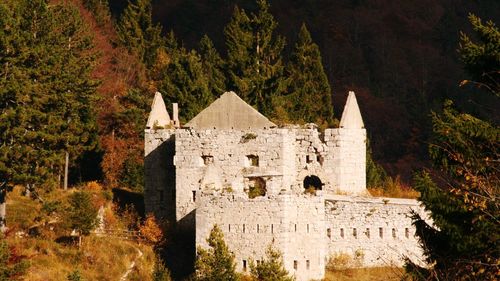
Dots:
pixel 342 233
pixel 295 264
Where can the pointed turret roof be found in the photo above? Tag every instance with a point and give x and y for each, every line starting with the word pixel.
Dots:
pixel 159 114
pixel 351 117
pixel 229 112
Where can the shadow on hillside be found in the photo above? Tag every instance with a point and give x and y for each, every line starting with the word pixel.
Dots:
pixel 124 198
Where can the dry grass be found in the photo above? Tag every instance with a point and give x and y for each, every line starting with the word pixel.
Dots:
pixel 394 188
pixel 365 274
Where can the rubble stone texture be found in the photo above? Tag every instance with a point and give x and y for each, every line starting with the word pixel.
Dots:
pixel 315 203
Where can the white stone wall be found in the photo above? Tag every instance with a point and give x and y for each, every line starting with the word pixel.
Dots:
pixel 294 224
pixel 384 234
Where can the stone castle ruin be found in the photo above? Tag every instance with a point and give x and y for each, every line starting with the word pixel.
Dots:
pixel 298 188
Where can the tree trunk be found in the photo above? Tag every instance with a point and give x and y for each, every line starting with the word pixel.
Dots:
pixel 3 205
pixel 66 164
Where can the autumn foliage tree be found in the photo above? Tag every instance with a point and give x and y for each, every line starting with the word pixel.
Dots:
pixel 151 231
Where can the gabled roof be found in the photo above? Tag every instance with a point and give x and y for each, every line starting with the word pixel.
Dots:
pixel 158 115
pixel 229 112
pixel 351 117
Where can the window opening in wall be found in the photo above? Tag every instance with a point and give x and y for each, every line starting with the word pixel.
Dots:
pixel 272 228
pixel 368 232
pixel 295 227
pixel 252 160
pixel 308 159
pixel 161 195
pixel 229 228
pixel 342 232
pixel 244 265
pixel 307 228
pixel 194 195
pixel 307 264
pixel 381 232
pixel 329 233
pixel 243 228
pixel 407 232
pixel 393 233
pixel 355 233
pixel 295 265
pixel 256 187
pixel 258 230
pixel 312 183
pixel 207 159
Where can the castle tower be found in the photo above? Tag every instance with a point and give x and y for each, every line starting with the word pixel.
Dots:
pixel 349 164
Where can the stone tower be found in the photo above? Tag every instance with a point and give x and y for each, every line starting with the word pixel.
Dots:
pixel 349 164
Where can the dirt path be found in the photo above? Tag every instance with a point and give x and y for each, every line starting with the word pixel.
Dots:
pixel 132 265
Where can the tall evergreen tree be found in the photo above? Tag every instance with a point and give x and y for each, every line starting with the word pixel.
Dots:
pixel 462 243
pixel 271 268
pixel 213 66
pixel 186 82
pixel 309 93
pixel 138 33
pixel 254 64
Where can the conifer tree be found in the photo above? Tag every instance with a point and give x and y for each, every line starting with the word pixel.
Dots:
pixel 254 65
pixel 185 82
pixel 82 215
pixel 271 268
pixel 462 243
pixel 216 263
pixel 138 33
pixel 309 93
pixel 213 66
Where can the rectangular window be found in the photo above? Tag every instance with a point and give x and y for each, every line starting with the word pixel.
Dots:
pixel 393 233
pixel 252 161
pixel 272 228
pixel 355 233
pixel 308 159
pixel 407 232
pixel 295 227
pixel 381 232
pixel 295 265
pixel 243 228
pixel 258 229
pixel 207 159
pixel 307 264
pixel 244 265
pixel 329 233
pixel 194 195
pixel 229 228
pixel 368 232
pixel 307 228
pixel 342 232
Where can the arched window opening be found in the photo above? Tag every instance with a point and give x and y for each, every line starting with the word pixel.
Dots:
pixel 312 183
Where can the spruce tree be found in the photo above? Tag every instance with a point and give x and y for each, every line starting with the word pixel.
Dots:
pixel 462 195
pixel 309 94
pixel 254 64
pixel 213 66
pixel 138 33
pixel 82 215
pixel 271 268
pixel 216 263
pixel 186 82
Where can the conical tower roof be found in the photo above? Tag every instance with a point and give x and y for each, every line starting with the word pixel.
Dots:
pixel 159 114
pixel 351 117
pixel 229 112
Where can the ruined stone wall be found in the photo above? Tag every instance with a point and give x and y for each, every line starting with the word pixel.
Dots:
pixel 159 174
pixel 294 224
pixel 373 231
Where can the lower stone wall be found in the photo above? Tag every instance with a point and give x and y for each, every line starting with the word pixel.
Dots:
pixel 294 224
pixel 372 231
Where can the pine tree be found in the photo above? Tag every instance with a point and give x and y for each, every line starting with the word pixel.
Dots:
pixel 254 65
pixel 271 268
pixel 482 60
pixel 138 33
pixel 82 215
pixel 309 93
pixel 216 263
pixel 213 66
pixel 186 82
pixel 11 268
pixel 462 243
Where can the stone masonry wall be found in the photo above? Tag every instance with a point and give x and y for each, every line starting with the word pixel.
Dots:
pixel 293 224
pixel 373 231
